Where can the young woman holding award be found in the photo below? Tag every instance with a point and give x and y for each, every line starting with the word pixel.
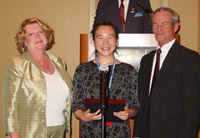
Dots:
pixel 122 85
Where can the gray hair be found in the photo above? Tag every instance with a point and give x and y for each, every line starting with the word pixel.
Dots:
pixel 175 16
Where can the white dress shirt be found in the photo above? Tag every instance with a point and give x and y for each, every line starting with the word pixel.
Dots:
pixel 165 49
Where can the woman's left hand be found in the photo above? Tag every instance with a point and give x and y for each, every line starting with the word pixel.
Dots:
pixel 126 114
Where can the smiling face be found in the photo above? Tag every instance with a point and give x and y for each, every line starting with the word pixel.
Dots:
pixel 35 38
pixel 163 28
pixel 105 41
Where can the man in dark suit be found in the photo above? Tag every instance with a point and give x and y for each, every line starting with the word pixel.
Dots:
pixel 171 107
pixel 136 19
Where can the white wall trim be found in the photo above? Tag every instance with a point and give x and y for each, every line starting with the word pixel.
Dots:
pixel 92 13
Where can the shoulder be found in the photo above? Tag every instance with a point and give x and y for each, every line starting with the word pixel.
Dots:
pixel 21 59
pixel 126 67
pixel 107 3
pixel 16 60
pixel 146 2
pixel 189 56
pixel 16 65
pixel 182 56
pixel 183 52
pixel 187 51
pixel 148 56
pixel 127 71
pixel 123 64
pixel 86 66
pixel 56 59
pixel 84 69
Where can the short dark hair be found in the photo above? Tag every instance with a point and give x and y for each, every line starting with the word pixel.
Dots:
pixel 96 26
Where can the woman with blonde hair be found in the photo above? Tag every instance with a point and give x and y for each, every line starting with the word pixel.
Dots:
pixel 37 86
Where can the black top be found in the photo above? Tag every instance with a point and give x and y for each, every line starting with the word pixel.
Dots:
pixel 86 85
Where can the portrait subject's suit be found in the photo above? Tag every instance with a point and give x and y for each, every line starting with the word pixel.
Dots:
pixel 24 96
pixel 173 109
pixel 137 21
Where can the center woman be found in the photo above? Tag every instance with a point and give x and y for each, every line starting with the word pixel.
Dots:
pixel 123 86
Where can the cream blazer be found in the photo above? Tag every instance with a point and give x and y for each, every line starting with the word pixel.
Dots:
pixel 24 96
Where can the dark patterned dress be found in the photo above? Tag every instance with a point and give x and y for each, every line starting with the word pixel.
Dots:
pixel 86 85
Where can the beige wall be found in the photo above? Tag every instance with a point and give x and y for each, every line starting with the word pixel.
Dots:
pixel 70 18
pixel 188 12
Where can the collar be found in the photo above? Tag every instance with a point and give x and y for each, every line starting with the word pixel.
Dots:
pixel 165 48
pixel 29 57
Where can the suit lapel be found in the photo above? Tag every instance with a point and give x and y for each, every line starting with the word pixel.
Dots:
pixel 130 6
pixel 167 64
pixel 145 71
pixel 116 13
pixel 149 70
pixel 129 16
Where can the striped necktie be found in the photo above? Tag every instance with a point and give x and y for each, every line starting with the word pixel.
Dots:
pixel 122 14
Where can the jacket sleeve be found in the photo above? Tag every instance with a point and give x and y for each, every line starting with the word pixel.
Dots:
pixel 191 97
pixel 78 89
pixel 138 118
pixel 11 84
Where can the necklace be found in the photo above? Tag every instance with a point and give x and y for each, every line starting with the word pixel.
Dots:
pixel 41 61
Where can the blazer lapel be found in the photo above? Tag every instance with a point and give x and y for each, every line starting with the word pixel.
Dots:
pixel 146 71
pixel 130 14
pixel 167 64
pixel 116 12
pixel 130 7
pixel 149 70
pixel 27 56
